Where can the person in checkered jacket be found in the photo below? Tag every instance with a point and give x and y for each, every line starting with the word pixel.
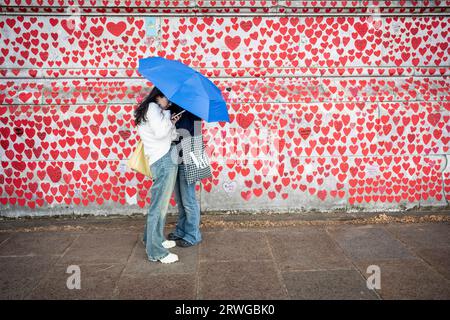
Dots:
pixel 187 231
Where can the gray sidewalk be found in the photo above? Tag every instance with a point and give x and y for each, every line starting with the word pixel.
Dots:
pixel 323 261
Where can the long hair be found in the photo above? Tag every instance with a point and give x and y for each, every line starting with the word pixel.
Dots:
pixel 141 111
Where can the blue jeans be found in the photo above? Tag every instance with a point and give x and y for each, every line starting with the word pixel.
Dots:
pixel 164 172
pixel 188 223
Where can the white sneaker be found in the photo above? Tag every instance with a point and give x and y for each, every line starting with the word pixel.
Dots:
pixel 169 244
pixel 170 258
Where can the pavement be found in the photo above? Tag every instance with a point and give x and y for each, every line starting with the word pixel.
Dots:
pixel 234 261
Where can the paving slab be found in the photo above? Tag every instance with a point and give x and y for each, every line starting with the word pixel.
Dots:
pixel 229 245
pixel 408 279
pixel 96 282
pixel 36 243
pixel 101 247
pixel 19 275
pixel 157 286
pixel 4 236
pixel 294 262
pixel 369 242
pixel 307 248
pixel 328 285
pixel 431 235
pixel 437 258
pixel 140 265
pixel 236 280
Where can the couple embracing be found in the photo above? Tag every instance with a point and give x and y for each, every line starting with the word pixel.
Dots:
pixel 161 127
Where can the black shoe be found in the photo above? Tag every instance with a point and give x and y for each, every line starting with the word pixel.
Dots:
pixel 183 243
pixel 173 237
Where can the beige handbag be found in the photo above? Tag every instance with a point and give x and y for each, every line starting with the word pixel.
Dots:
pixel 139 161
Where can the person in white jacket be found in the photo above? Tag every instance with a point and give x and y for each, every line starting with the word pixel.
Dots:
pixel 157 131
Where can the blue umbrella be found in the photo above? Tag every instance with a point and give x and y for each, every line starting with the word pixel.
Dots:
pixel 186 87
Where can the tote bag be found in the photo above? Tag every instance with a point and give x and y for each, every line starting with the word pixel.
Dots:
pixel 139 161
pixel 196 163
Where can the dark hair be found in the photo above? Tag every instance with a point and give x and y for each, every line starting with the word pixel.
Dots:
pixel 141 111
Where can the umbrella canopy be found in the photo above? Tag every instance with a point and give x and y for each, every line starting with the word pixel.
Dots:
pixel 186 87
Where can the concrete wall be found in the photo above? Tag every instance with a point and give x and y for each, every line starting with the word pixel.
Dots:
pixel 334 104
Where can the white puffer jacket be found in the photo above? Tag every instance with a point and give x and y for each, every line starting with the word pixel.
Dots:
pixel 157 132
